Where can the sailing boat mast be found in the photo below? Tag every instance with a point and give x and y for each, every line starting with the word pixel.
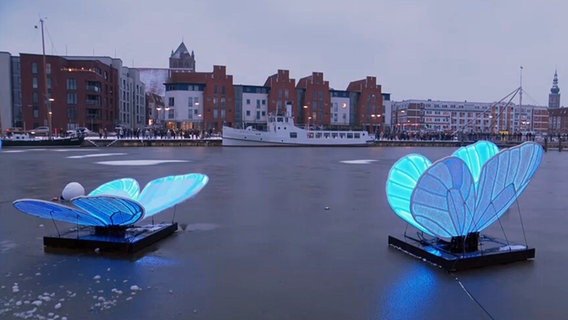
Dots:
pixel 46 100
pixel 521 89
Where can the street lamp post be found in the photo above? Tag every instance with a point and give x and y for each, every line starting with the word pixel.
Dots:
pixel 49 116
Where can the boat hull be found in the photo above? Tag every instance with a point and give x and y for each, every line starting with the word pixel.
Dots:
pixel 249 138
pixel 59 142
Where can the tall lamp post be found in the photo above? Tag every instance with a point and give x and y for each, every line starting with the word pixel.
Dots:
pixel 47 100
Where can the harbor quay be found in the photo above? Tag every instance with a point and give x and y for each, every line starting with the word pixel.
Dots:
pixel 384 142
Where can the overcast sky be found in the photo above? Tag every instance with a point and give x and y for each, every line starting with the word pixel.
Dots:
pixel 418 49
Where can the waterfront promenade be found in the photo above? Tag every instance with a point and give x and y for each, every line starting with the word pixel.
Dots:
pixel 214 142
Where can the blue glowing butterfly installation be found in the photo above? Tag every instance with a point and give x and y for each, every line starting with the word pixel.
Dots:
pixel 462 193
pixel 119 202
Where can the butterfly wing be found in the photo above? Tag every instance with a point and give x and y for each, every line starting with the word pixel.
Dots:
pixel 111 210
pixel 401 181
pixel 503 179
pixel 126 187
pixel 57 211
pixel 476 155
pixel 166 192
pixel 443 201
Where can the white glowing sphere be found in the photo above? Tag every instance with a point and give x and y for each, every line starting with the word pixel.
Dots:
pixel 72 190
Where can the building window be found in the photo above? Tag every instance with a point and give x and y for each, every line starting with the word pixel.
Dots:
pixel 35 98
pixel 49 83
pixel 71 98
pixel 215 114
pixel 258 104
pixel 248 113
pixel 34 82
pixel 71 84
pixel 248 101
pixel 48 68
pixel 171 101
pixel 190 102
pixel 72 113
pixel 171 114
pixel 34 67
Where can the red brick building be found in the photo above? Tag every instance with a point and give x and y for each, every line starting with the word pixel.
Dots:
pixel 213 97
pixel 316 100
pixel 82 93
pixel 282 92
pixel 369 108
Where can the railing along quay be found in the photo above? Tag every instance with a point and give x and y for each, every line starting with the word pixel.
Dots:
pixel 132 142
pixel 217 142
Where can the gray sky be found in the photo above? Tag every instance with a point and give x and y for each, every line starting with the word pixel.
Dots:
pixel 418 49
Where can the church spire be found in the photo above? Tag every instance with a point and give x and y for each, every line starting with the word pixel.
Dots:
pixel 554 95
pixel 555 89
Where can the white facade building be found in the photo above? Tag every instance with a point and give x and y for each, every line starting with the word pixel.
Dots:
pixel 340 108
pixel 462 116
pixel 184 105
pixel 255 107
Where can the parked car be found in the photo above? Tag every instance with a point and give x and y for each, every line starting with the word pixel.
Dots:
pixel 40 130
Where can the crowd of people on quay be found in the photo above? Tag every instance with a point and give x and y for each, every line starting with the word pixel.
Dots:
pixel 157 133
pixel 456 136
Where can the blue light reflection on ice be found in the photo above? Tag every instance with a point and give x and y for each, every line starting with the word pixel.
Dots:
pixel 462 193
pixel 411 294
pixel 153 261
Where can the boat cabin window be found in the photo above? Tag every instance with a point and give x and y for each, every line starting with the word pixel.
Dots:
pixel 310 135
pixel 293 135
pixel 342 135
pixel 350 135
pixel 318 135
pixel 334 135
pixel 326 135
pixel 279 119
pixel 357 135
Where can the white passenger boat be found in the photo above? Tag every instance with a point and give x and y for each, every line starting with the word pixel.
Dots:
pixel 281 131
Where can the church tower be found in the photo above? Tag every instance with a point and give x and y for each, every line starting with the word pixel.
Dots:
pixel 554 96
pixel 182 59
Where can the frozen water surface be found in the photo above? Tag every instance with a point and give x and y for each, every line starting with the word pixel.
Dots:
pixel 258 242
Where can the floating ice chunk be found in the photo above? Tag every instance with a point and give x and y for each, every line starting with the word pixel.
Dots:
pixel 57 305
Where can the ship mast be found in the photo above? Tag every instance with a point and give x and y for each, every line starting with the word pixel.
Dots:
pixel 521 89
pixel 46 100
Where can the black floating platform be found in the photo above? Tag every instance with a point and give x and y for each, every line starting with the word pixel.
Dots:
pixel 438 252
pixel 111 239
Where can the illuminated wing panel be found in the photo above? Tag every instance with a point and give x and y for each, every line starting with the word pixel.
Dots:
pixel 476 155
pixel 52 210
pixel 503 179
pixel 444 198
pixel 126 187
pixel 113 211
pixel 163 193
pixel 401 181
